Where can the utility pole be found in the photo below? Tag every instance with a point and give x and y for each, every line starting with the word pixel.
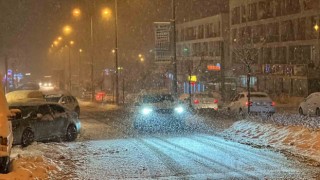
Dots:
pixel 92 51
pixel 175 78
pixel 116 50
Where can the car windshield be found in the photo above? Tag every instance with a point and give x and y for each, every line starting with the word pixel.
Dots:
pixel 204 95
pixel 157 98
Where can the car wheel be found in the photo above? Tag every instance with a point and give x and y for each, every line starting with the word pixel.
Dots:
pixel 317 112
pixel 4 164
pixel 71 133
pixel 27 137
pixel 301 111
pixel 77 110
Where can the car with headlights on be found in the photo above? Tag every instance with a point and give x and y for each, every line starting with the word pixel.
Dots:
pixel 158 110
pixel 310 105
pixel 43 121
pixel 260 103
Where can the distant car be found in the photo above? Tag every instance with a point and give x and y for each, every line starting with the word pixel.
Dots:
pixel 64 98
pixel 260 103
pixel 310 105
pixel 6 135
pixel 155 109
pixel 43 121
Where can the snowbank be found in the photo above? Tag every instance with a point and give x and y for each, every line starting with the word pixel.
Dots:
pixel 30 167
pixel 298 140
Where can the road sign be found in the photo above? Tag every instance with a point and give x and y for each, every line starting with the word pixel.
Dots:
pixel 163 53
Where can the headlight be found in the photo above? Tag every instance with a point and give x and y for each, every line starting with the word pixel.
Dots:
pixel 179 109
pixel 146 111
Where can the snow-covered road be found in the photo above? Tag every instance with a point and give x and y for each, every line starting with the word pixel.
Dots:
pixel 109 149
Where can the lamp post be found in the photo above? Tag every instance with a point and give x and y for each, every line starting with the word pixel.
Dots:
pixel 316 28
pixel 116 50
pixel 79 77
pixel 71 43
pixel 175 78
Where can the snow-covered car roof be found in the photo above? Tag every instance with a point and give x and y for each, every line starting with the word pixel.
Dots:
pixel 21 95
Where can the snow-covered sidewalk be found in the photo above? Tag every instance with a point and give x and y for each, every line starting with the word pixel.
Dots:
pixel 296 139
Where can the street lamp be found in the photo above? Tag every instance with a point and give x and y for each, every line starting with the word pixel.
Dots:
pixel 71 43
pixel 76 12
pixel 106 13
pixel 59 38
pixel 80 51
pixel 316 28
pixel 67 29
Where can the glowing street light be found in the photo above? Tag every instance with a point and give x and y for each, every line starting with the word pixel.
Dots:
pixel 67 29
pixel 140 55
pixel 71 42
pixel 76 12
pixel 113 51
pixel 316 27
pixel 80 50
pixel 59 38
pixel 106 13
pixel 142 59
pixel 56 43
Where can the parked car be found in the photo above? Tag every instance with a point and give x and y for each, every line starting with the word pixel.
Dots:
pixel 260 102
pixel 43 121
pixel 64 98
pixel 158 109
pixel 203 101
pixel 6 135
pixel 310 105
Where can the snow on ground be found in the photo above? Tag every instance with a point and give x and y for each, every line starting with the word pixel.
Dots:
pixel 295 139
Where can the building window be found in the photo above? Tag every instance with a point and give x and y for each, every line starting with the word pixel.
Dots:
pixel 277 8
pixel 243 14
pixel 265 9
pixel 300 54
pixel 267 55
pixel 235 19
pixel 311 22
pixel 280 55
pixel 272 31
pixel 253 15
pixel 310 4
pixel 209 30
pixel 290 7
pixel 299 87
pixel 287 31
pixel 200 32
pixel 301 29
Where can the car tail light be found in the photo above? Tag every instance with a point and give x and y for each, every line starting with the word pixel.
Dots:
pixel 273 103
pixel 247 103
pixel 196 101
pixel 215 101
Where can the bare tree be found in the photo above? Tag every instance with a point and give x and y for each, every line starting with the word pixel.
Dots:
pixel 246 53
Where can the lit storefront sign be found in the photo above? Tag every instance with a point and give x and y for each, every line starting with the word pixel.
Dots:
pixel 214 67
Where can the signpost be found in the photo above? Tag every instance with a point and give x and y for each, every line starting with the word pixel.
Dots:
pixel 163 49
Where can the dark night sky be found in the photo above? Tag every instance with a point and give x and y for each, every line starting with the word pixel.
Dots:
pixel 28 27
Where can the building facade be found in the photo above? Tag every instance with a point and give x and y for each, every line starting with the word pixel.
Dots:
pixel 285 39
pixel 203 50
